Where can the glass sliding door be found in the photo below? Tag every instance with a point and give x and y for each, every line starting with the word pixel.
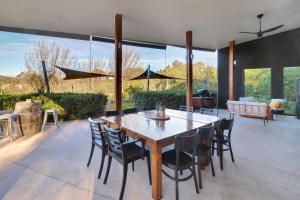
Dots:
pixel 290 75
pixel 257 84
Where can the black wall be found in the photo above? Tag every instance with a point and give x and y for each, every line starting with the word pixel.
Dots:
pixel 275 51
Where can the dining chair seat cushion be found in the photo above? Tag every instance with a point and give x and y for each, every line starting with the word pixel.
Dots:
pixel 169 160
pixel 133 153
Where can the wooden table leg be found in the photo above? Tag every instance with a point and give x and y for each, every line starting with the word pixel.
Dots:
pixel 156 167
pixel 219 143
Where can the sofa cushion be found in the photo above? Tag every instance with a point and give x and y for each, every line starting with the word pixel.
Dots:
pixel 257 109
pixel 248 108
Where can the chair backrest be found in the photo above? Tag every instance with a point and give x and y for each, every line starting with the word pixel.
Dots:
pixel 96 131
pixel 227 124
pixel 111 113
pixel 186 143
pixel 186 108
pixel 130 110
pixel 114 141
pixel 205 135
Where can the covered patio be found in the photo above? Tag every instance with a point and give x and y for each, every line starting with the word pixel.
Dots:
pixel 51 165
pixel 249 110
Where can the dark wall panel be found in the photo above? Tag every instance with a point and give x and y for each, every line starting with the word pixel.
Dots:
pixel 276 51
pixel 223 78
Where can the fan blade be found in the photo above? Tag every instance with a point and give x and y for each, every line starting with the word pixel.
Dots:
pixel 249 33
pixel 272 29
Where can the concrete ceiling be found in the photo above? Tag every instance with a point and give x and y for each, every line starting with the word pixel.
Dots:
pixel 214 22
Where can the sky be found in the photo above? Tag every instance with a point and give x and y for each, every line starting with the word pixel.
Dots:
pixel 14 46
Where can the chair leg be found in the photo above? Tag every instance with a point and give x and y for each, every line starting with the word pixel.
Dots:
pixel 176 184
pixel 199 172
pixel 102 163
pixel 195 178
pixel 221 158
pixel 213 149
pixel 212 165
pixel 123 181
pixel 20 127
pixel 10 128
pixel 56 119
pixel 149 169
pixel 132 166
pixel 181 172
pixel 91 155
pixel 45 121
pixel 107 170
pixel 231 153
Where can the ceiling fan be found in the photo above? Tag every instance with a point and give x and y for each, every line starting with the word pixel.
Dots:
pixel 260 33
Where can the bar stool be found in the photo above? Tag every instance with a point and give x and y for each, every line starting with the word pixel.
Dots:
pixel 11 118
pixel 55 117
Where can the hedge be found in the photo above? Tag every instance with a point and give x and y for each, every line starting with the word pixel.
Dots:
pixel 168 98
pixel 69 105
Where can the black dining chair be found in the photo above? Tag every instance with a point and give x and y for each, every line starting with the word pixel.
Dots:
pixel 178 160
pixel 129 111
pixel 204 148
pixel 186 108
pixel 126 111
pixel 124 153
pixel 98 140
pixel 226 125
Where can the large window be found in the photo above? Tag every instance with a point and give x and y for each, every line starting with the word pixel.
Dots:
pixel 290 75
pixel 102 58
pixel 205 70
pixel 135 60
pixel 258 84
pixel 20 62
pixel 21 69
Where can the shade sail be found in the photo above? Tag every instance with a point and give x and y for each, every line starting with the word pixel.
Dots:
pixel 75 74
pixel 148 74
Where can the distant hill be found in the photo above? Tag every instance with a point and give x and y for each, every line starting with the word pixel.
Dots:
pixel 5 77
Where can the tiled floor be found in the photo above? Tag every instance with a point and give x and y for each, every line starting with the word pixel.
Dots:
pixel 53 166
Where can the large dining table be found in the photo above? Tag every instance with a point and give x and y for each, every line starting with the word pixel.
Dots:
pixel 158 134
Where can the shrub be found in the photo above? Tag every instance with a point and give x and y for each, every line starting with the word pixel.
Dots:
pixel 69 105
pixel 168 98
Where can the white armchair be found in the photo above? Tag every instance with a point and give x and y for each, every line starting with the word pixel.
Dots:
pixel 278 106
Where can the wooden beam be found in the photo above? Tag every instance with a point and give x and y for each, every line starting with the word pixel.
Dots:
pixel 189 69
pixel 231 70
pixel 118 61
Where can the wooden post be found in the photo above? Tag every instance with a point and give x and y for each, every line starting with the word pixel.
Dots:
pixel 156 171
pixel 118 61
pixel 231 70
pixel 189 69
pixel 46 76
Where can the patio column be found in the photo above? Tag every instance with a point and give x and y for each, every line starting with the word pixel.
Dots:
pixel 189 69
pixel 231 70
pixel 118 61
